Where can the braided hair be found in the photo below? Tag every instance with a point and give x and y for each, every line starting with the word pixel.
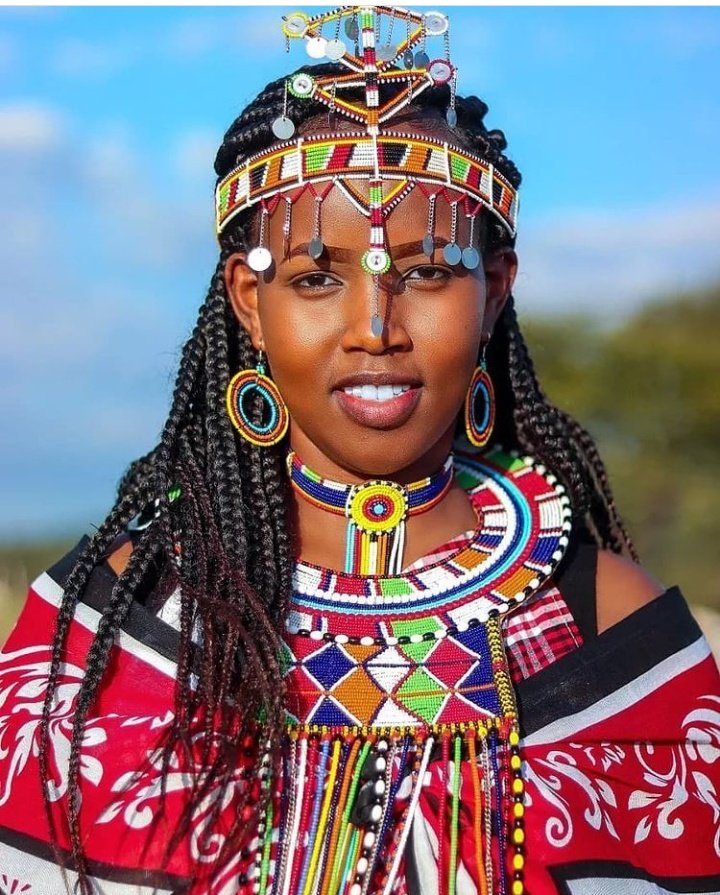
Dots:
pixel 226 545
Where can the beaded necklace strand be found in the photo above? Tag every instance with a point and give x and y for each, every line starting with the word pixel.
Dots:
pixel 376 512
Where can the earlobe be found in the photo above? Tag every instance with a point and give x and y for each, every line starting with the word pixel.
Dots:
pixel 242 285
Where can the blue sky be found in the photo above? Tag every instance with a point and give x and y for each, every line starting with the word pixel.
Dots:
pixel 109 121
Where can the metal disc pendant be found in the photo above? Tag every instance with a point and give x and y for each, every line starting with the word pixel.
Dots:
pixel 315 47
pixel 295 25
pixel 259 259
pixel 435 23
pixel 376 325
pixel 428 245
pixel 283 128
pixel 301 85
pixel 470 257
pixel 315 248
pixel 451 117
pixel 351 28
pixel 408 59
pixel 335 50
pixel 422 60
pixel 452 254
pixel 386 53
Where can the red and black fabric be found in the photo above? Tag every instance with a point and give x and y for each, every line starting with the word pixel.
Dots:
pixel 621 749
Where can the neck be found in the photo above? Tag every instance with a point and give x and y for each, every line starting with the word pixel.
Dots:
pixel 323 534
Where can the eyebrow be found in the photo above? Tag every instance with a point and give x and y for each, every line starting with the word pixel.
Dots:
pixel 336 253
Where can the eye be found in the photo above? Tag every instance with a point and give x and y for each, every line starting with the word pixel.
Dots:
pixel 428 273
pixel 315 281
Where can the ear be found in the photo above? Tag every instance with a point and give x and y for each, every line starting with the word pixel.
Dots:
pixel 241 285
pixel 500 271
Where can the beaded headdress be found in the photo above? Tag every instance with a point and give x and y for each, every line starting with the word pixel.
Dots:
pixel 381 46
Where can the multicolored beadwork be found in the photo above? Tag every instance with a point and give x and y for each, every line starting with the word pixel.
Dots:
pixel 374 170
pixel 376 512
pixel 241 386
pixel 479 426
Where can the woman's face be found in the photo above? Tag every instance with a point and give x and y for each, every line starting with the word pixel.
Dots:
pixel 341 382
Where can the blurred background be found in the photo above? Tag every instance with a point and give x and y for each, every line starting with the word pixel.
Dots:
pixel 109 122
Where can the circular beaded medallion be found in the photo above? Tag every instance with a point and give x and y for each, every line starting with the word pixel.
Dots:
pixel 435 23
pixel 301 85
pixel 441 71
pixel 376 261
pixel 295 25
pixel 377 506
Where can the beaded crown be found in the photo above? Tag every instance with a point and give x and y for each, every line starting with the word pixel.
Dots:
pixel 382 47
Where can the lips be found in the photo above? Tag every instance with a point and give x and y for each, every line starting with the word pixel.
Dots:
pixel 378 399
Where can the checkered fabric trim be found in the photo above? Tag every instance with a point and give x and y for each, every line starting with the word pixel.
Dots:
pixel 539 633
pixel 407 158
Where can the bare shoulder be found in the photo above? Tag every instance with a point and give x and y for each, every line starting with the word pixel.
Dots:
pixel 119 553
pixel 622 586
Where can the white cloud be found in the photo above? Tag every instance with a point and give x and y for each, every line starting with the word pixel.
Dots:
pixel 27 126
pixel 612 263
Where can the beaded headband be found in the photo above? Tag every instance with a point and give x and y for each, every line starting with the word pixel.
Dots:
pixel 388 164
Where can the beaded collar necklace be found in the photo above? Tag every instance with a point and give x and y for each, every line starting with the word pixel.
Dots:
pixel 376 512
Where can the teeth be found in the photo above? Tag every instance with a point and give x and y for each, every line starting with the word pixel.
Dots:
pixel 376 393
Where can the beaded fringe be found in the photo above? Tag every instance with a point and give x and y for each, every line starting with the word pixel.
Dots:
pixel 335 825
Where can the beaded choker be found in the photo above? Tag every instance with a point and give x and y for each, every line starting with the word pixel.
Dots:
pixel 376 512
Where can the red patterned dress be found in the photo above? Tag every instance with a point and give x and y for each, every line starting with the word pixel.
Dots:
pixel 460 728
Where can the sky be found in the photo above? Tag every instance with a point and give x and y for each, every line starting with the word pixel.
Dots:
pixel 110 118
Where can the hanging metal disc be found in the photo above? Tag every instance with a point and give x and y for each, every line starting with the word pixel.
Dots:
pixel 351 28
pixel 283 128
pixel 452 253
pixel 470 257
pixel 440 70
pixel 435 23
pixel 386 53
pixel 376 325
pixel 451 117
pixel 428 245
pixel 422 60
pixel 315 47
pixel 335 50
pixel 259 259
pixel 316 247
pixel 408 59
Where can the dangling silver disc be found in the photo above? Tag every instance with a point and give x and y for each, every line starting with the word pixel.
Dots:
pixel 452 254
pixel 408 59
pixel 470 257
pixel 316 247
pixel 386 53
pixel 440 71
pixel 315 47
pixel 335 50
pixel 376 325
pixel 283 128
pixel 422 60
pixel 351 28
pixel 259 259
pixel 435 23
pixel 451 117
pixel 428 245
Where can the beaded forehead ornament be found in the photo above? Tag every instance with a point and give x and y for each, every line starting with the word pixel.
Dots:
pixel 375 170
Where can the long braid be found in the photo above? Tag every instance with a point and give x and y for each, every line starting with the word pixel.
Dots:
pixel 225 548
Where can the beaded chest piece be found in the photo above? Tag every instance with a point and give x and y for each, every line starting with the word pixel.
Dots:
pixel 394 682
pixel 386 51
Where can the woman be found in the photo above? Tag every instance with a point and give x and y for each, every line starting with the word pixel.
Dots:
pixel 366 558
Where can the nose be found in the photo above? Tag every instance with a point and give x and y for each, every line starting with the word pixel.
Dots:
pixel 375 296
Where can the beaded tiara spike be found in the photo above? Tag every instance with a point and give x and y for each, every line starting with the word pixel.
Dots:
pixel 374 169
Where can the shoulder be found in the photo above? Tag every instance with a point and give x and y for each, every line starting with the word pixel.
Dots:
pixel 622 587
pixel 119 552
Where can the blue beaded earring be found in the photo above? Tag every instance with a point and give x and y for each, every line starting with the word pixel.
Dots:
pixel 479 420
pixel 274 420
